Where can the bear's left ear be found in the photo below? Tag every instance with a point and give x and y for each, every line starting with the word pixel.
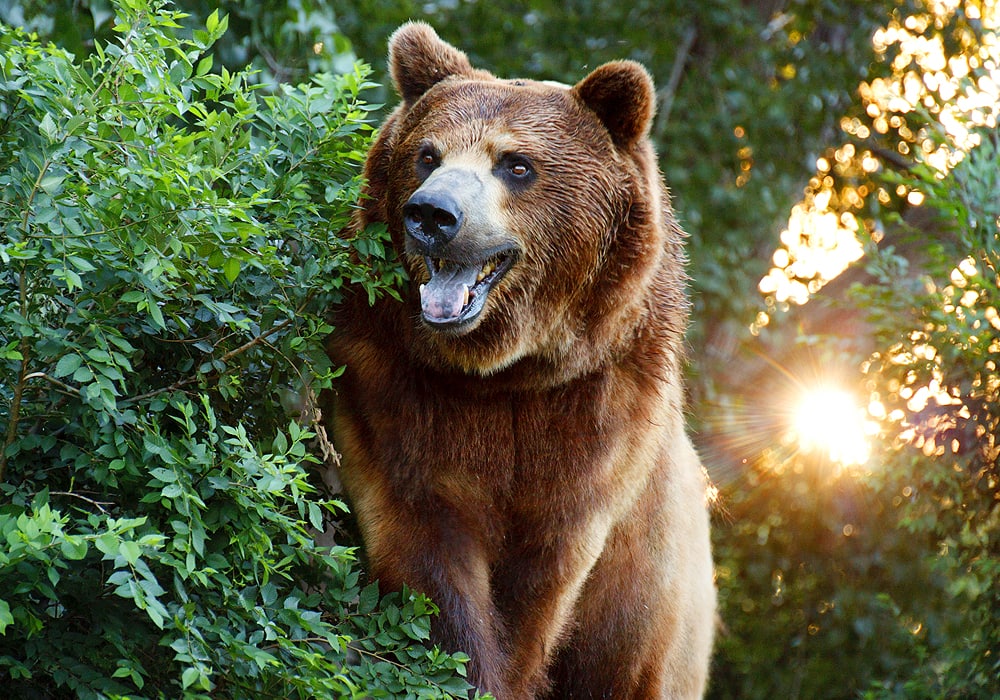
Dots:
pixel 622 95
pixel 419 59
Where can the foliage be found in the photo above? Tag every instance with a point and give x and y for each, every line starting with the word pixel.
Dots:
pixel 279 41
pixel 936 381
pixel 168 250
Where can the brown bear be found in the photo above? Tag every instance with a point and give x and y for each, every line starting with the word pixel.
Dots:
pixel 512 433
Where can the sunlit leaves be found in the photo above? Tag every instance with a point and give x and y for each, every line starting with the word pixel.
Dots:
pixel 943 88
pixel 935 386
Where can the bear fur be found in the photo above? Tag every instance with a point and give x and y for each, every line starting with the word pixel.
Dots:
pixel 512 433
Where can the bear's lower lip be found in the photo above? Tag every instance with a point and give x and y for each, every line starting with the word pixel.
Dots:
pixel 456 293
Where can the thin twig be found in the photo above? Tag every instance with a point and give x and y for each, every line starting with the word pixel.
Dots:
pixel 226 357
pixel 97 504
pixel 669 91
pixel 889 156
pixel 52 380
pixel 256 341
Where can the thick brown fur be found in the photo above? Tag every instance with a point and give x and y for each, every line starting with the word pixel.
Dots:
pixel 529 470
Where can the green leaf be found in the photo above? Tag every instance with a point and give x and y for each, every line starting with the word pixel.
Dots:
pixel 74 548
pixel 67 365
pixel 130 551
pixel 107 543
pixel 162 474
pixel 315 516
pixel 268 593
pixel 51 183
pixel 280 443
pixel 190 677
pixel 368 598
pixel 47 127
pixel 204 65
pixel 132 297
pixel 231 269
pixel 98 355
pixel 82 374
pixel 154 312
pixel 6 618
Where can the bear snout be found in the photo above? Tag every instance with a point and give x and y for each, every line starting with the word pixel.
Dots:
pixel 432 218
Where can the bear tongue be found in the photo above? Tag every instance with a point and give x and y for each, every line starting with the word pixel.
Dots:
pixel 447 293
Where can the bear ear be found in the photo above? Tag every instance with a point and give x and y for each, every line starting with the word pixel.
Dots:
pixel 622 95
pixel 419 59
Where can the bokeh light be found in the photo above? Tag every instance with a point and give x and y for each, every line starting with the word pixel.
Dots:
pixel 955 79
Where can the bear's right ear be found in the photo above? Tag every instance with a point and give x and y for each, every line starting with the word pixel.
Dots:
pixel 419 59
pixel 622 95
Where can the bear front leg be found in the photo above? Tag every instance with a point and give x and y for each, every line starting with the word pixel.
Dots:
pixel 414 535
pixel 536 589
pixel 441 558
pixel 644 621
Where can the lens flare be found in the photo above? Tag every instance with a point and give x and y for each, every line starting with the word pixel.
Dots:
pixel 828 420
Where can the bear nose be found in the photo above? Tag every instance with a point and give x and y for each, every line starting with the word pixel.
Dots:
pixel 432 218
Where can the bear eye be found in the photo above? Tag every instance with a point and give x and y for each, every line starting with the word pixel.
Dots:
pixel 516 170
pixel 427 160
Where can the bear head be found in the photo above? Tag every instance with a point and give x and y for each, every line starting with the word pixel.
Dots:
pixel 531 216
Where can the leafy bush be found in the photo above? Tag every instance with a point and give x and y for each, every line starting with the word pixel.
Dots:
pixel 168 249
pixel 281 41
pixel 937 381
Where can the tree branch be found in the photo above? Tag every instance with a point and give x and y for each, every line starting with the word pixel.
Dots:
pixel 226 357
pixel 97 504
pixel 15 402
pixel 888 155
pixel 52 380
pixel 669 91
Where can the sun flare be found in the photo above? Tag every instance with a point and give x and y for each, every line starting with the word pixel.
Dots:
pixel 829 421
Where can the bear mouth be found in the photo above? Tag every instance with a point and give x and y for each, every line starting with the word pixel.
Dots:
pixel 455 295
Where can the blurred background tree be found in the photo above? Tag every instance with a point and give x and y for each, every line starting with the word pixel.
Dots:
pixel 857 547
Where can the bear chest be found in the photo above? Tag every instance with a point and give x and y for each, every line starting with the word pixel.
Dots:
pixel 424 433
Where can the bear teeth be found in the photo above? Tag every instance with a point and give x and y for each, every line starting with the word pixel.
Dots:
pixel 435 265
pixel 486 271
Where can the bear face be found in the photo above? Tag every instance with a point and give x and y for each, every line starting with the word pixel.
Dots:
pixel 510 204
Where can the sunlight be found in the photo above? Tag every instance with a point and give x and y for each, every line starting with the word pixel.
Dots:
pixel 955 82
pixel 829 421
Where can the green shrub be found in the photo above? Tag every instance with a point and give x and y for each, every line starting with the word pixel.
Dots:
pixel 168 250
pixel 936 376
